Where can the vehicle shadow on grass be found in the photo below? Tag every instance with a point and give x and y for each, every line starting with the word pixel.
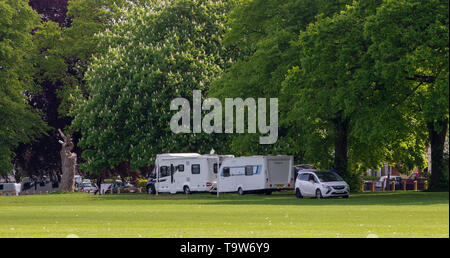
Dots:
pixel 390 199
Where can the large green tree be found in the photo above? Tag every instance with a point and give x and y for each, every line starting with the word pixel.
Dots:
pixel 66 52
pixel 410 43
pixel 154 55
pixel 336 94
pixel 18 121
pixel 65 45
pixel 263 32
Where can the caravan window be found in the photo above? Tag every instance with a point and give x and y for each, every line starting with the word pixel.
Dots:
pixel 195 169
pixel 249 170
pixel 215 168
pixel 226 172
pixel 1 187
pixel 180 168
pixel 164 171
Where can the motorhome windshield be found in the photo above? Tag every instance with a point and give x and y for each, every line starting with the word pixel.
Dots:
pixel 326 176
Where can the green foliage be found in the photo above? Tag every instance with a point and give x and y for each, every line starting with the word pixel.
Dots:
pixel 62 57
pixel 263 32
pixel 18 122
pixel 411 52
pixel 370 178
pixel 154 55
pixel 49 64
pixel 327 90
pixel 65 53
pixel 142 183
pixel 336 85
pixel 319 55
pixel 410 45
pixel 372 74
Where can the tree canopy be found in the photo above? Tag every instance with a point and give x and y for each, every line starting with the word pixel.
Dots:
pixel 152 56
pixel 18 121
pixel 410 46
pixel 64 45
pixel 263 32
pixel 359 83
pixel 335 92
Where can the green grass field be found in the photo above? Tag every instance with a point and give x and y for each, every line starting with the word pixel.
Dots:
pixel 411 214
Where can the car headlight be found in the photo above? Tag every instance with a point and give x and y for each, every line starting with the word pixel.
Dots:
pixel 327 187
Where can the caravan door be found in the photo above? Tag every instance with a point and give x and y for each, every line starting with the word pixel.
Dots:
pixel 172 183
pixel 166 182
pixel 162 184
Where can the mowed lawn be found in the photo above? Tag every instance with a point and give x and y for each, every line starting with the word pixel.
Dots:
pixel 410 214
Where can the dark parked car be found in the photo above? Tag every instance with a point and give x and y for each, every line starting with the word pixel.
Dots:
pixel 415 176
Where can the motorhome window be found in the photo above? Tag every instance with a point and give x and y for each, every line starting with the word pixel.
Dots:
pixel 1 187
pixel 180 168
pixel 215 168
pixel 164 171
pixel 248 170
pixel 226 172
pixel 195 169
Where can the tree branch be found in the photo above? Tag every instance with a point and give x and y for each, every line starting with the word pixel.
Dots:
pixel 409 95
pixel 422 78
pixel 62 134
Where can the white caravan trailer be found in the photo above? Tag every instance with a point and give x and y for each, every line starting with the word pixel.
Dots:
pixel 256 174
pixel 187 172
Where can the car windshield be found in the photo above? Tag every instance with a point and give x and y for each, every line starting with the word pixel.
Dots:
pixel 325 176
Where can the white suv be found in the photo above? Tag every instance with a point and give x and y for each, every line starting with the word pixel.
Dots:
pixel 320 184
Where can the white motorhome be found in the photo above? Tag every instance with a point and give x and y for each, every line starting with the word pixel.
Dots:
pixel 256 174
pixel 10 188
pixel 185 172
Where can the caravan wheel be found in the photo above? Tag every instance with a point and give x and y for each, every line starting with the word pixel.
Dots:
pixel 240 191
pixel 186 190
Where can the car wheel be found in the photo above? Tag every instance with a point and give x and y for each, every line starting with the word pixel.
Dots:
pixel 298 193
pixel 150 189
pixel 240 191
pixel 345 196
pixel 319 194
pixel 187 190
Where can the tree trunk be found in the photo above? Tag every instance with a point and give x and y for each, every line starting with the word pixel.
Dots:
pixel 68 165
pixel 437 132
pixel 341 146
